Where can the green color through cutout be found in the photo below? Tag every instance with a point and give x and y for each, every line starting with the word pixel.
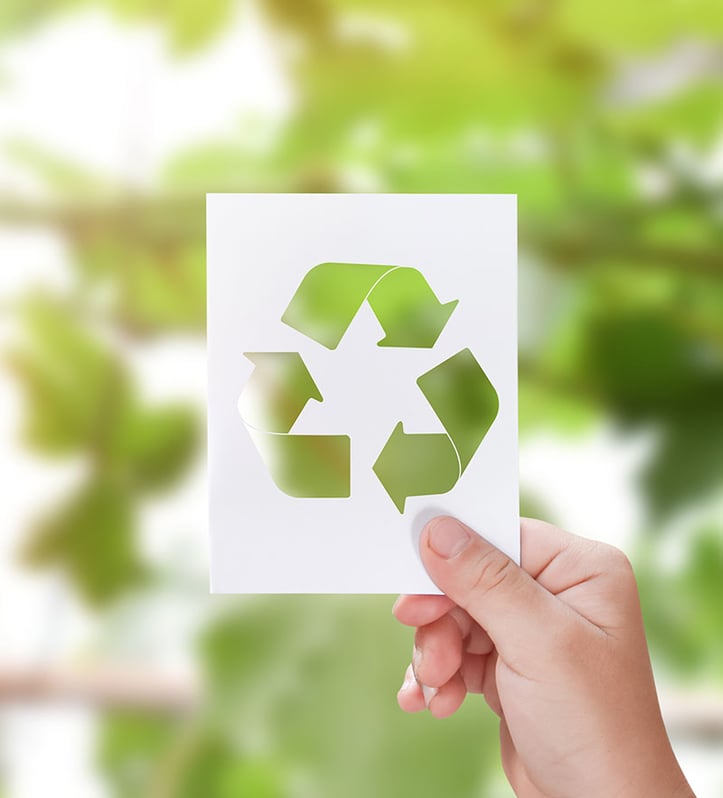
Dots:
pixel 466 403
pixel 330 295
pixel 410 464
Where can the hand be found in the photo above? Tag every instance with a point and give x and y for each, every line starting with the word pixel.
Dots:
pixel 558 649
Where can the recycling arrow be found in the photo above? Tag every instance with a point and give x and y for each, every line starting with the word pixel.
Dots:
pixel 277 391
pixel 280 386
pixel 302 466
pixel 466 403
pixel 416 465
pixel 330 295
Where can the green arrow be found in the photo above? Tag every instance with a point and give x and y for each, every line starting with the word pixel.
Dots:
pixel 416 465
pixel 328 299
pixel 277 391
pixel 302 466
pixel 464 400
pixel 307 466
pixel 330 295
pixel 408 309
pixel 466 403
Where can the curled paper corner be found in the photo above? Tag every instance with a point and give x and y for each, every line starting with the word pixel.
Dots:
pixel 419 521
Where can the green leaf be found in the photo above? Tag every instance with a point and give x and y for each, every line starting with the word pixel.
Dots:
pixel 165 289
pixel 75 387
pixel 693 115
pixel 543 406
pixel 92 538
pixel 294 670
pixel 227 165
pixel 683 607
pixel 16 16
pixel 155 445
pixel 181 758
pixel 217 769
pixel 688 465
pixel 193 25
pixel 638 26
pixel 647 365
pixel 190 24
pixel 130 748
pixel 682 226
pixel 157 277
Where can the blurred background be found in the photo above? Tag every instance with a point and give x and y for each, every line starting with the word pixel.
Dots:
pixel 119 674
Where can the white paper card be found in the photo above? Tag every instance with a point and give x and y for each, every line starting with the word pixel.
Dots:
pixel 362 357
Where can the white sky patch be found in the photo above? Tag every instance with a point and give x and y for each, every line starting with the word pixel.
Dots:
pixel 46 752
pixel 119 102
pixel 588 481
pixel 666 74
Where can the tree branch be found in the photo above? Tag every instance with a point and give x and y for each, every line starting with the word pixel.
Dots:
pixel 103 687
pixel 579 252
pixel 179 219
pixel 697 717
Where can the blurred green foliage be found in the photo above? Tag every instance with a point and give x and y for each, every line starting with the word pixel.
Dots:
pixel 190 24
pixel 81 401
pixel 162 757
pixel 301 703
pixel 548 100
pixel 684 604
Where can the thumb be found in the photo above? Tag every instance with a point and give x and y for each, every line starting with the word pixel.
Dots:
pixel 501 597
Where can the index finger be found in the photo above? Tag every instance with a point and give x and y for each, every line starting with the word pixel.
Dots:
pixel 418 610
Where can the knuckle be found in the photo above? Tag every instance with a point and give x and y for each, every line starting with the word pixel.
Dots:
pixel 490 570
pixel 616 561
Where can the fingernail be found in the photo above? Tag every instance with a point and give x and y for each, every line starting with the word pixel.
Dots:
pixel 416 661
pixel 409 679
pixel 428 693
pixel 448 537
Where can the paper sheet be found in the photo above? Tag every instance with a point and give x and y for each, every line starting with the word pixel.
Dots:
pixel 362 367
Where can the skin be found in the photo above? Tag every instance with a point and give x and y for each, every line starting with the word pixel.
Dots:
pixel 557 648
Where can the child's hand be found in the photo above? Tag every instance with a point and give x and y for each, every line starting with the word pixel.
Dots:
pixel 558 649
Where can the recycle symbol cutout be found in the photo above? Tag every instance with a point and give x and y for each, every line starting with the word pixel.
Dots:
pixel 319 466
